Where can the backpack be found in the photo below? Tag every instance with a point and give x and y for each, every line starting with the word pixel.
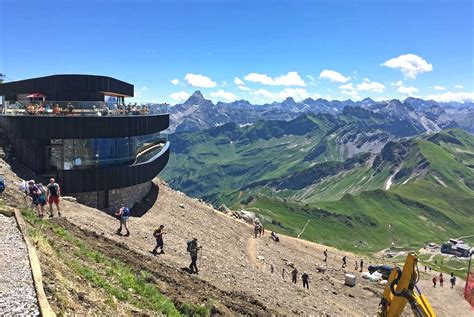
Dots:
pixel 2 184
pixel 126 212
pixel 41 189
pixel 190 246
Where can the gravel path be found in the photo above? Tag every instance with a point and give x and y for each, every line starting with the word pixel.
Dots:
pixel 17 293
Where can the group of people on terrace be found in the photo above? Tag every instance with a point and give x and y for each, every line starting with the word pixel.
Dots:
pixel 103 109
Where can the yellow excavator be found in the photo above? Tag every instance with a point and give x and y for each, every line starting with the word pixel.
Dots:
pixel 401 290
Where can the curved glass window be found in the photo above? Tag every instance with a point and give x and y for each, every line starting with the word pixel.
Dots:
pixel 83 153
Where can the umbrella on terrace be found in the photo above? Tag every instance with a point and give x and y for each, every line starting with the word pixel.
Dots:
pixel 36 95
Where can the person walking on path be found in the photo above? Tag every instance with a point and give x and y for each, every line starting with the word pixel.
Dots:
pixel 294 275
pixel 193 249
pixel 441 279
pixel 124 214
pixel 36 192
pixel 361 264
pixel 434 281
pixel 53 194
pixel 305 278
pixel 357 265
pixel 158 234
pixel 344 261
pixel 452 280
pixel 325 255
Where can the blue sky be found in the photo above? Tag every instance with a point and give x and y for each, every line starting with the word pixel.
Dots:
pixel 330 49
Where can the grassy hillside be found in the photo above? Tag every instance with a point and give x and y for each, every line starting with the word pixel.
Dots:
pixel 415 190
pixel 431 198
pixel 215 164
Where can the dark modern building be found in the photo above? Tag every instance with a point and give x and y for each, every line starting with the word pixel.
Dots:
pixel 78 129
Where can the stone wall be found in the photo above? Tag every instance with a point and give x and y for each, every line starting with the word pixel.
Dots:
pixel 128 196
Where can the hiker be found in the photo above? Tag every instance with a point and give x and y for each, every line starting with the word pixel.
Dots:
pixel 441 279
pixel 361 264
pixel 193 249
pixel 275 237
pixel 294 275
pixel 158 234
pixel 257 229
pixel 325 255
pixel 124 214
pixel 36 192
pixel 344 261
pixel 53 193
pixel 429 268
pixel 357 265
pixel 434 281
pixel 283 273
pixel 426 268
pixel 272 268
pixel 452 280
pixel 305 278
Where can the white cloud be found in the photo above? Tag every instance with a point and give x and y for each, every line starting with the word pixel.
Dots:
pixel 238 81
pixel 290 79
pixel 180 96
pixel 312 81
pixel 458 87
pixel 410 65
pixel 368 85
pixel 175 81
pixel 398 83
pixel 333 76
pixel 197 80
pixel 452 96
pixel 350 90
pixel 439 88
pixel 348 86
pixel 297 94
pixel 145 88
pixel 244 88
pixel 223 95
pixel 407 91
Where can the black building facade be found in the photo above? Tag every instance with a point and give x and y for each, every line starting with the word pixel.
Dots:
pixel 101 160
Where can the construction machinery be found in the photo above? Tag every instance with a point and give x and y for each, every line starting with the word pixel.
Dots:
pixel 401 290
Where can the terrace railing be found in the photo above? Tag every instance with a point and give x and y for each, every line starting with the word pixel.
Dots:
pixel 81 108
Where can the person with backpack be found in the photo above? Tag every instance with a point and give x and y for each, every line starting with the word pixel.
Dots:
pixel 193 249
pixel 325 255
pixel 441 279
pixel 344 261
pixel 294 275
pixel 37 193
pixel 158 234
pixel 452 280
pixel 361 264
pixel 305 278
pixel 124 214
pixel 53 193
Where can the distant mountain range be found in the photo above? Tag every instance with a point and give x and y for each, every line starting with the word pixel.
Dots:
pixel 198 113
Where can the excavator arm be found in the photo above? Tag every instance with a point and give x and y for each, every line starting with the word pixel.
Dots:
pixel 401 289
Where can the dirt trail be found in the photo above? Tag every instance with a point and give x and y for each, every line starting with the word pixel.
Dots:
pixel 175 283
pixel 252 252
pixel 304 228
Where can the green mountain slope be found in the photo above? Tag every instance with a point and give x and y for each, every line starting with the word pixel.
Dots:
pixel 431 198
pixel 357 178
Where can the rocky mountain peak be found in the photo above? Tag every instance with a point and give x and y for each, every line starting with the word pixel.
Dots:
pixel 197 98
